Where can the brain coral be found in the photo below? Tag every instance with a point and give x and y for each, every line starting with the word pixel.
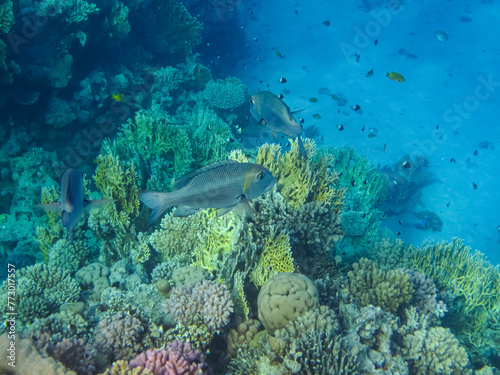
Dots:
pixel 284 298
pixel 202 303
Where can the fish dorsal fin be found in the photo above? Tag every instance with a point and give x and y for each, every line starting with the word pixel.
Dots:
pixel 184 180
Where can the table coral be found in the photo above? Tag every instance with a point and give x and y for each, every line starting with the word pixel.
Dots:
pixel 284 298
pixel 386 289
pixel 177 358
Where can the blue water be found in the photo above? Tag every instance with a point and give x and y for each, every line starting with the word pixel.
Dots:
pixel 70 83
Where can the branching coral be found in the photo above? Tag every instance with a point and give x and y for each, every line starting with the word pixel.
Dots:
pixel 40 290
pixel 435 351
pixel 204 303
pixel 386 289
pixel 121 336
pixel 177 358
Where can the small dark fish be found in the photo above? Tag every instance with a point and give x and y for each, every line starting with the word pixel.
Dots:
pixel 385 145
pixel 326 23
pixel 301 120
pixel 281 96
pixel 296 11
pixel 73 202
pixel 322 138
pixel 406 165
pixel 437 127
pixel 313 100
pixel 400 221
pixel 365 181
pixel 282 80
pixel 474 186
pixel 448 204
pixel 353 183
pixel 452 160
pixel 475 152
pixel 224 184
pixel 317 116
pixel 356 107
pixel 207 128
pixel 340 127
pixel 369 74
pixel 375 42
pixel 357 56
pixel 363 128
pixel 278 53
pixel 398 233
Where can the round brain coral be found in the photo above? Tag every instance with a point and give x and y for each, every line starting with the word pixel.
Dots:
pixel 285 297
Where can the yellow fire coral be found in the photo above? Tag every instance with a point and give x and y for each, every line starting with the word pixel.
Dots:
pixel 275 258
pixel 385 289
pixel 469 276
pixel 301 180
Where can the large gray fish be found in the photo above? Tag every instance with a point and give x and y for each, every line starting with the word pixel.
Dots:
pixel 270 111
pixel 223 184
pixel 72 202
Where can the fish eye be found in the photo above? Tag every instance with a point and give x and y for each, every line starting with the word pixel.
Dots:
pixel 260 176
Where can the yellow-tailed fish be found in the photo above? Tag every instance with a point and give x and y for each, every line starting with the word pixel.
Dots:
pixel 398 77
pixel 224 184
pixel 270 111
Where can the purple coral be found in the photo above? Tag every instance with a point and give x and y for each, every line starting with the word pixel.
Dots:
pixel 177 359
pixel 425 295
pixel 207 302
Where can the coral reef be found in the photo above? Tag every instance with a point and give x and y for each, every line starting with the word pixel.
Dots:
pixel 284 298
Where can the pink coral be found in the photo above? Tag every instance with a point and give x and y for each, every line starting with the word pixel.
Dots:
pixel 177 359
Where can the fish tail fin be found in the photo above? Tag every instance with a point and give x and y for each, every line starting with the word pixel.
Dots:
pixel 302 149
pixel 158 202
pixel 49 207
pixel 97 203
